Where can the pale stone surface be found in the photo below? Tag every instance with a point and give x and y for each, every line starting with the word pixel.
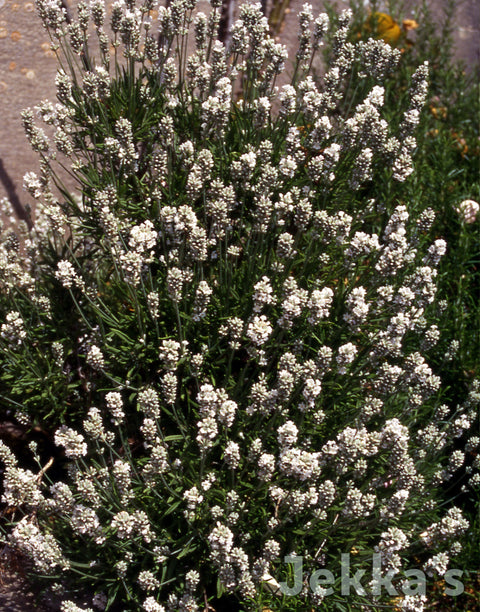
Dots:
pixel 28 66
pixel 27 70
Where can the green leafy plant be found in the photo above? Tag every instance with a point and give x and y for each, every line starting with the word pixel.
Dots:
pixel 227 321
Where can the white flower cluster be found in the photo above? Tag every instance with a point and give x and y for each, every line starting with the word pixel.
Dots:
pixel 70 606
pixel 259 330
pixel 450 526
pixel 126 525
pixel 143 237
pixel 94 428
pixel 42 548
pixel 13 330
pixel 438 564
pixel 95 357
pixel 392 542
pixel 85 522
pixel 73 442
pixel 468 210
pixel 67 275
pixel 215 409
pixel 115 406
pixel 149 403
pixel 21 487
pixel 150 605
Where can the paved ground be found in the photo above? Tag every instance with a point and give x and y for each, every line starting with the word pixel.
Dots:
pixel 27 69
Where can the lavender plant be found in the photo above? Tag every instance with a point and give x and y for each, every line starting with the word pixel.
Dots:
pixel 229 338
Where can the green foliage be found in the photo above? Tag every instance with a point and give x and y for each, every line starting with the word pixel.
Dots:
pixel 240 312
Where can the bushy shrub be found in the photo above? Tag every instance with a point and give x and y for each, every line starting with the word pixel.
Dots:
pixel 228 335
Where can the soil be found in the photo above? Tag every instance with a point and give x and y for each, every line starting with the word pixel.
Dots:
pixel 16 593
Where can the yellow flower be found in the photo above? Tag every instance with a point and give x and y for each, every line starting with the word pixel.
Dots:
pixel 439 112
pixel 396 602
pixel 409 24
pixel 384 27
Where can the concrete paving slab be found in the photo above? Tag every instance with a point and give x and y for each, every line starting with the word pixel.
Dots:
pixel 28 67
